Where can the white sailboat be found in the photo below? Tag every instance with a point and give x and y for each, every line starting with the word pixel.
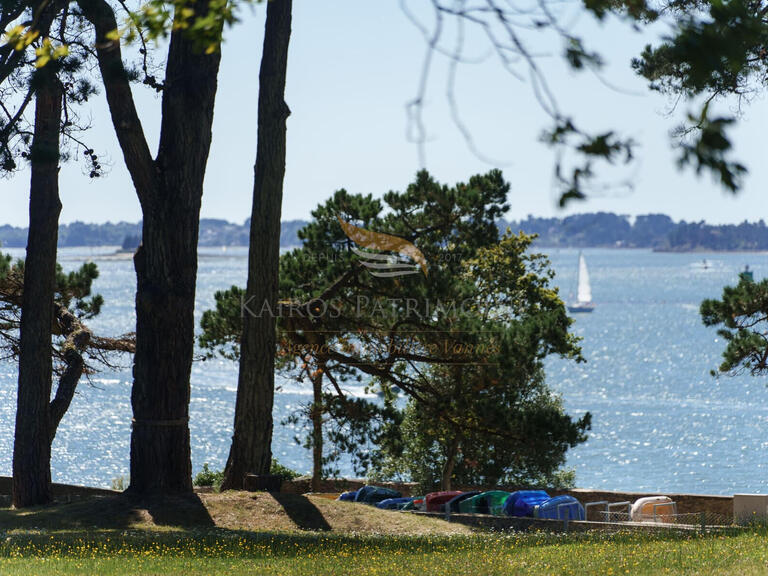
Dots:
pixel 583 301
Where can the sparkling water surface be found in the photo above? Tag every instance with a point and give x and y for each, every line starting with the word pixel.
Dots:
pixel 660 421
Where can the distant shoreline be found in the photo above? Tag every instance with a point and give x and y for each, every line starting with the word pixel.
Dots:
pixel 657 232
pixel 708 251
pixel 206 250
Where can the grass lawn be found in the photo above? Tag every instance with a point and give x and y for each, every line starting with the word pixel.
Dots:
pixel 263 534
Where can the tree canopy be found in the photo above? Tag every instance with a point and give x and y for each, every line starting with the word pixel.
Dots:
pixel 716 51
pixel 741 316
pixel 465 340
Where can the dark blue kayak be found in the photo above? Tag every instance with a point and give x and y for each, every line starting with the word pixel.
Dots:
pixel 394 503
pixel 523 502
pixel 374 494
pixel 560 508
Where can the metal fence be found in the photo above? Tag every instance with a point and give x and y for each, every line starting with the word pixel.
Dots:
pixel 664 514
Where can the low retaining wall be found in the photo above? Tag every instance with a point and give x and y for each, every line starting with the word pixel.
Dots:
pixel 6 485
pixel 516 524
pixel 686 503
pixel 505 523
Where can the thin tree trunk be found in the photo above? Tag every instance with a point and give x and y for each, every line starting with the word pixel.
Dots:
pixel 450 463
pixel 251 449
pixel 78 337
pixel 316 415
pixel 31 448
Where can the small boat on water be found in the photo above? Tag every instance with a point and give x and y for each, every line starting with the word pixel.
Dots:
pixel 583 301
pixel 747 274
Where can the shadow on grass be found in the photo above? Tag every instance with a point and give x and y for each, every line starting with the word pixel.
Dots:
pixel 182 511
pixel 223 543
pixel 301 511
pixel 119 511
pixel 100 512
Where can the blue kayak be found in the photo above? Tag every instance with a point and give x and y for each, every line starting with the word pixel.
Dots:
pixel 560 508
pixel 394 503
pixel 374 494
pixel 523 502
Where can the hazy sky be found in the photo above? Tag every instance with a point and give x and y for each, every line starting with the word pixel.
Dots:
pixel 353 66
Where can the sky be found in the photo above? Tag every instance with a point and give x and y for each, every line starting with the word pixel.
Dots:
pixel 353 67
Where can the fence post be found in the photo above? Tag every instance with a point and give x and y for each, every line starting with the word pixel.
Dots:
pixel 588 505
pixel 567 517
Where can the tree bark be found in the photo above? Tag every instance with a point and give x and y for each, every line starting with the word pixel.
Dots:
pixel 77 339
pixel 251 450
pixel 31 448
pixel 170 190
pixel 316 415
pixel 450 463
pixel 166 272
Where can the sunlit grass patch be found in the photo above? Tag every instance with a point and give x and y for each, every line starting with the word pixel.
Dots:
pixel 226 552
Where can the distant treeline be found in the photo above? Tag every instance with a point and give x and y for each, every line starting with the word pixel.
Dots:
pixel 212 233
pixel 601 229
pixel 656 231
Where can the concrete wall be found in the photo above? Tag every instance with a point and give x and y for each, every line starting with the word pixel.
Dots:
pixel 502 523
pixel 686 503
pixel 750 508
pixel 59 490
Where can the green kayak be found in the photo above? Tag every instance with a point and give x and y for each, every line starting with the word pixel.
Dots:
pixel 491 502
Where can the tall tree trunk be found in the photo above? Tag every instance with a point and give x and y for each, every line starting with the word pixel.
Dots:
pixel 452 448
pixel 31 448
pixel 316 415
pixel 170 190
pixel 166 267
pixel 166 272
pixel 251 449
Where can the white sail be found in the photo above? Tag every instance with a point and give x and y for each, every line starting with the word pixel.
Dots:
pixel 585 290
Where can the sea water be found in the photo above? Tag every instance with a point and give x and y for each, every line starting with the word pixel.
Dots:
pixel 661 422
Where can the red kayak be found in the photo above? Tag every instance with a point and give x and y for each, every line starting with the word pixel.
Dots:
pixel 435 500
